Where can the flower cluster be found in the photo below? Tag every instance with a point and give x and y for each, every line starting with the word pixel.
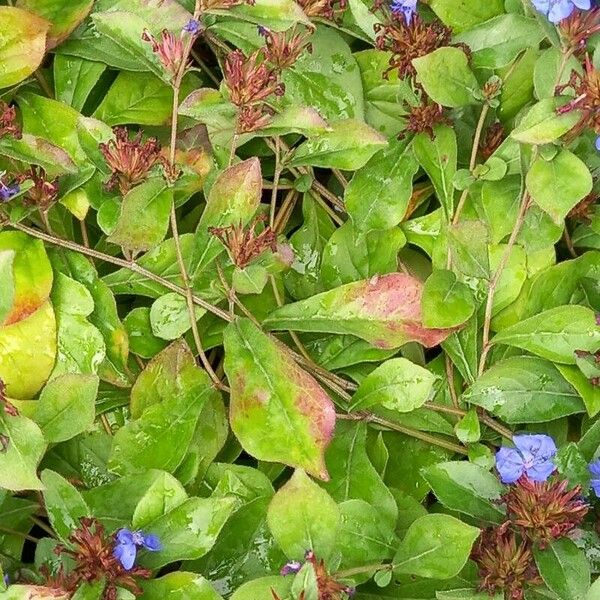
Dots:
pixel 577 28
pixel 8 121
pixel 102 557
pixel 328 588
pixel 539 509
pixel 129 160
pixel 244 245
pixel 44 192
pixel 558 10
pixel 254 79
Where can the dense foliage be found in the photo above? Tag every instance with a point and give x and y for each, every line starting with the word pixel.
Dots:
pixel 299 301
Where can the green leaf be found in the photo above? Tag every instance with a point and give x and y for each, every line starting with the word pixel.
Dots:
pixel 163 495
pixel 397 384
pixel 25 446
pixel 67 406
pixel 179 585
pixel 446 301
pixel 28 352
pixel 524 389
pixel 348 146
pixel 142 340
pixel 468 429
pixel 144 218
pixel 188 531
pixel 378 194
pixel 555 334
pixel 495 43
pixel 559 184
pixel 262 587
pixel 466 488
pixel 542 124
pixel 435 546
pixel 353 477
pixel 63 17
pixel 385 311
pixel 170 317
pixel 22 44
pixel 278 411
pixel 438 158
pixel 564 569
pixel 302 515
pixel 589 392
pixel 446 77
pixel 74 79
pixel 327 79
pixel 63 503
pixel 162 429
pixel 278 15
pixel 462 15
pixel 26 273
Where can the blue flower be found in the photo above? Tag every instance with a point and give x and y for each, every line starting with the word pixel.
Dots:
pixel 597 143
pixel 290 568
pixel 193 26
pixel 532 457
pixel 594 469
pixel 263 31
pixel 404 7
pixel 128 541
pixel 8 191
pixel 557 10
pixel 6 580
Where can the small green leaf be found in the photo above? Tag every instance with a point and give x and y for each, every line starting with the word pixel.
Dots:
pixel 446 77
pixel 463 15
pixel 468 429
pixel 446 301
pixel 436 546
pixel 301 516
pixel 170 317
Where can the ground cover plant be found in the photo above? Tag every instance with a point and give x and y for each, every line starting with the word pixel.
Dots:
pixel 299 300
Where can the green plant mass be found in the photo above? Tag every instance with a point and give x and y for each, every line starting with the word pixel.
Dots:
pixel 299 299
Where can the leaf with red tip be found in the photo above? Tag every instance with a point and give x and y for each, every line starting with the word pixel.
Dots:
pixel 278 411
pixel 385 311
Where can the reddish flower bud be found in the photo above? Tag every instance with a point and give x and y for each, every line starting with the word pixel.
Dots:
pixel 169 49
pixel 8 121
pixel 326 9
pixel 282 50
pixel 43 194
pixel 423 117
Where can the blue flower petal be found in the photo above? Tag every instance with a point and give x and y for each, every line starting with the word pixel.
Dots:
pixel 152 543
pixel 125 554
pixel 540 471
pixel 560 10
pixel 594 468
pixel 509 464
pixel 595 483
pixel 539 445
pixel 597 143
pixel 542 6
pixel 125 536
pixel 582 4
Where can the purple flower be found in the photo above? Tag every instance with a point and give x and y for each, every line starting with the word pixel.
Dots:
pixel 193 26
pixel 594 468
pixel 8 191
pixel 557 10
pixel 532 457
pixel 291 568
pixel 404 7
pixel 128 542
pixel 6 580
pixel 263 31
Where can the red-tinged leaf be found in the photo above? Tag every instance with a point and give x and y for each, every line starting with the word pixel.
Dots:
pixel 278 411
pixel 385 311
pixel 63 16
pixel 22 44
pixel 28 282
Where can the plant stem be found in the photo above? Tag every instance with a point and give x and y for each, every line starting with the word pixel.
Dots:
pixel 275 188
pixel 450 377
pixel 25 536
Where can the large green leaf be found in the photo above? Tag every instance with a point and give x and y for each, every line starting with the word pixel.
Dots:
pixel 435 546
pixel 163 425
pixel 22 44
pixel 524 389
pixel 378 194
pixel 397 384
pixel 303 515
pixel 74 79
pixel 466 488
pixel 278 411
pixel 555 334
pixel 557 185
pixel 462 15
pixel 385 311
pixel 179 585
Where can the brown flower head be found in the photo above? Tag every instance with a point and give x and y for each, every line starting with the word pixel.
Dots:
pixel 587 99
pixel 282 49
pixel 423 117
pixel 577 28
pixel 329 588
pixel 327 9
pixel 407 40
pixel 43 194
pixel 8 121
pixel 92 551
pixel 244 245
pixel 505 564
pixel 543 511
pixel 169 49
pixel 8 407
pixel 494 136
pixel 129 160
